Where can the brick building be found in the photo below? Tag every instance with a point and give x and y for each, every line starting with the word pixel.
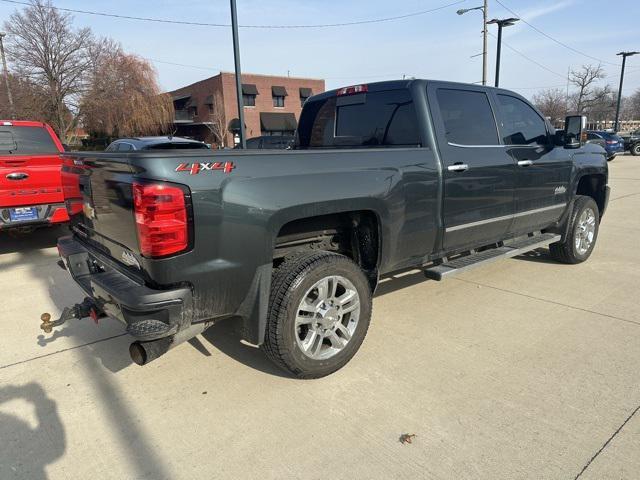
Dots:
pixel 207 109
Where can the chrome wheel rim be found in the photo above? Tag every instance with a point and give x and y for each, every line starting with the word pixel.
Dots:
pixel 585 231
pixel 327 317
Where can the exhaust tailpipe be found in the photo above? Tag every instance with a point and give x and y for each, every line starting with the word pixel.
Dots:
pixel 145 352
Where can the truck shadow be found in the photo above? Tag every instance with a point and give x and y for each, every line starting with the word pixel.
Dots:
pixel 27 450
pixel 399 280
pixel 540 255
pixel 97 353
pixel 225 337
pixel 36 240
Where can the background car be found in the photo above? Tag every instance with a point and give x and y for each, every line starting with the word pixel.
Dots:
pixel 270 142
pixel 632 142
pixel 154 143
pixel 612 143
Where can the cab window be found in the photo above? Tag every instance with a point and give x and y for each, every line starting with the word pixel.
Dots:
pixel 467 117
pixel 521 124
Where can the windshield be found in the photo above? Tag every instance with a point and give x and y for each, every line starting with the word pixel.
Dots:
pixel 25 141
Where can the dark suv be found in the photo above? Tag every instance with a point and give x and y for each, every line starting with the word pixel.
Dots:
pixel 154 143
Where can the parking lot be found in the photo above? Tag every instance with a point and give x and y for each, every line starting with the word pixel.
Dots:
pixel 522 369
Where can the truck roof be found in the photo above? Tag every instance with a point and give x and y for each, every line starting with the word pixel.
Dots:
pixel 22 123
pixel 403 84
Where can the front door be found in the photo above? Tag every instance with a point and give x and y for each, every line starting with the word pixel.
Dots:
pixel 542 170
pixel 479 175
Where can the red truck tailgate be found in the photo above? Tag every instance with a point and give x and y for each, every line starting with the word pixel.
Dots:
pixel 30 180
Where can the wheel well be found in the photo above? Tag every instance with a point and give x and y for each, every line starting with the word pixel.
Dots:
pixel 353 234
pixel 593 186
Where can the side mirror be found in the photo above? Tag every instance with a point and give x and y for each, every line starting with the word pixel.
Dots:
pixel 574 126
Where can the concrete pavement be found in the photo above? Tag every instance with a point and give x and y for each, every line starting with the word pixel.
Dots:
pixel 522 369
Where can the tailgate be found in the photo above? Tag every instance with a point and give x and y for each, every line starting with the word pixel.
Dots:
pixel 30 180
pixel 105 185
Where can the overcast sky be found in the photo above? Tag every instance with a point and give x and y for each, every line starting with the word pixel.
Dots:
pixel 433 45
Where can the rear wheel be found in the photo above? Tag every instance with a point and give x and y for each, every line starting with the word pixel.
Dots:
pixel 581 234
pixel 319 313
pixel 635 149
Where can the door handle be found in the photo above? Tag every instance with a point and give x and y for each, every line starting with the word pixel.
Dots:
pixel 525 163
pixel 458 167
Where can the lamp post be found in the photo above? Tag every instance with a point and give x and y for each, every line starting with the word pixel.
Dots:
pixel 6 76
pixel 236 58
pixel 484 7
pixel 624 56
pixel 505 22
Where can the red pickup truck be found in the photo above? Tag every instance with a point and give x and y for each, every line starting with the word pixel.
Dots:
pixel 31 191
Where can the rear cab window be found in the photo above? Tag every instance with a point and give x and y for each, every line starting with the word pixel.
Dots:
pixel 22 140
pixel 362 120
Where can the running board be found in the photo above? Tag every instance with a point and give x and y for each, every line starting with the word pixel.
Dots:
pixel 467 262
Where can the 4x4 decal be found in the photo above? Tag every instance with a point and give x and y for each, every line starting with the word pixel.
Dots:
pixel 196 168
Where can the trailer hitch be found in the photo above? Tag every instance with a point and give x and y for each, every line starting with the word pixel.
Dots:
pixel 87 308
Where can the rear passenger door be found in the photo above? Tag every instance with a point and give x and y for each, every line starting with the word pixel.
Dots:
pixel 542 169
pixel 479 176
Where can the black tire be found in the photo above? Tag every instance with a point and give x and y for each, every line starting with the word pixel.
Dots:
pixel 609 159
pixel 635 149
pixel 566 251
pixel 290 282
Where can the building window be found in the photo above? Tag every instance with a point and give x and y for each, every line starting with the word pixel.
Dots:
pixel 304 94
pixel 278 93
pixel 248 100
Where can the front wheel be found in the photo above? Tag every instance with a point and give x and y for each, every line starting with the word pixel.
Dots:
pixel 319 313
pixel 582 233
pixel 635 149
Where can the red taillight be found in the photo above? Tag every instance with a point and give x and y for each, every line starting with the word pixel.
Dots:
pixel 161 219
pixel 59 215
pixel 352 90
pixel 611 142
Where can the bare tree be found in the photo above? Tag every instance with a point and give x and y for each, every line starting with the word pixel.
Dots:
pixel 44 48
pixel 124 99
pixel 217 121
pixel 631 106
pixel 553 104
pixel 585 81
pixel 29 100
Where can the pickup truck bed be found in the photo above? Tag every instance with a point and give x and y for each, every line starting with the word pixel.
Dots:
pixel 383 177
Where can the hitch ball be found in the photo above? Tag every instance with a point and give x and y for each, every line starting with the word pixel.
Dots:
pixel 46 323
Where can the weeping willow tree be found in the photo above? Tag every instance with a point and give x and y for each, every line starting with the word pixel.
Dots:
pixel 123 98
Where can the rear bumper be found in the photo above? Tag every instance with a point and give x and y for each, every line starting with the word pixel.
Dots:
pixel 47 214
pixel 148 313
pixel 615 151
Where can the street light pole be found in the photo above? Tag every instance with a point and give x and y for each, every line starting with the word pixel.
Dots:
pixel 506 22
pixel 624 56
pixel 6 77
pixel 484 8
pixel 236 58
pixel 484 42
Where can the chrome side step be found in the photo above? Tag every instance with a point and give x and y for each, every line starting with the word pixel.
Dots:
pixel 467 262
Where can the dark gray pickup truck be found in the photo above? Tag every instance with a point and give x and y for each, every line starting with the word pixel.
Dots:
pixel 422 174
